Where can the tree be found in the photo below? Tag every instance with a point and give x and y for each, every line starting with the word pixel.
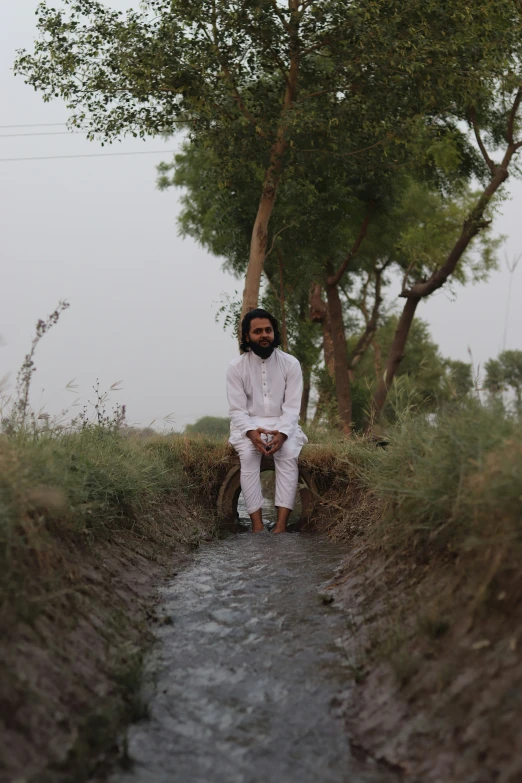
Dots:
pixel 492 113
pixel 246 71
pixel 214 426
pixel 504 373
pixel 259 75
pixel 313 223
pixel 429 379
pixel 459 377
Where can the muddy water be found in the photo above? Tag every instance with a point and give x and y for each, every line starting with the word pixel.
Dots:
pixel 245 673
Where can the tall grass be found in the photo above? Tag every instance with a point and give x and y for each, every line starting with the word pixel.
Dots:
pixel 453 481
pixel 72 486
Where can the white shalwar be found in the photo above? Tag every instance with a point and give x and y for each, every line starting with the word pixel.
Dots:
pixel 266 393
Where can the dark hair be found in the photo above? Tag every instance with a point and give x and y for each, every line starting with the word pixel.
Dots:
pixel 245 327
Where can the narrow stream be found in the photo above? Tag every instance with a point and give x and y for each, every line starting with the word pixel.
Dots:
pixel 245 673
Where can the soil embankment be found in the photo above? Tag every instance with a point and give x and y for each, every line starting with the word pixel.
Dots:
pixel 437 675
pixel 433 674
pixel 72 656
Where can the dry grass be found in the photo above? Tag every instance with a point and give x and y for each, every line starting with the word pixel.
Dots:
pixel 452 485
pixel 83 486
pixel 90 521
pixel 203 461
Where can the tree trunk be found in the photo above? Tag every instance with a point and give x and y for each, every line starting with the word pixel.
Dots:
pixel 471 227
pixel 340 358
pixel 282 302
pixel 305 399
pixel 395 357
pixel 328 347
pixel 377 357
pixel 319 315
pixel 258 244
pixel 259 238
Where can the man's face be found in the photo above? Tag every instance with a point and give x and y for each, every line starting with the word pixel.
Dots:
pixel 261 333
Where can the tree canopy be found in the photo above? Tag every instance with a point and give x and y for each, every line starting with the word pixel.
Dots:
pixel 328 141
pixel 214 426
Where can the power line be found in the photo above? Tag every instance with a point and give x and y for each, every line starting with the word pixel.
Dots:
pixel 92 155
pixel 37 125
pixel 43 133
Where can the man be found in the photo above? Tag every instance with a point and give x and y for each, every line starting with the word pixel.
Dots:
pixel 264 388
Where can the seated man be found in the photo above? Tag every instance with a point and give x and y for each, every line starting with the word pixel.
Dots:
pixel 264 388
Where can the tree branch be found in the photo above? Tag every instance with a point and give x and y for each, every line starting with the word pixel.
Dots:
pixel 336 277
pixel 492 166
pixel 512 116
pixel 407 274
pixel 367 336
pixel 349 154
pixel 281 16
pixel 226 70
pixel 275 237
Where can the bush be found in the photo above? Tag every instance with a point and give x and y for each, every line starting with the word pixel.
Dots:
pixel 88 482
pixel 212 426
pixel 452 481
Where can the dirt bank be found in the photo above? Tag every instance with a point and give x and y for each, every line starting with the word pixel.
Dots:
pixel 71 655
pixel 437 669
pixel 434 629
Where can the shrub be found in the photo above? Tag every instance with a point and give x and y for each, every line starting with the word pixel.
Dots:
pixel 452 481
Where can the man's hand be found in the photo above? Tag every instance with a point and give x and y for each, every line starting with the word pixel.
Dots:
pixel 259 443
pixel 276 442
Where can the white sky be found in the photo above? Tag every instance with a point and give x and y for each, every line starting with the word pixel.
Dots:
pixel 98 233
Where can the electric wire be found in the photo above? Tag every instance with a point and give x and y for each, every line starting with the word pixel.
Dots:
pixel 90 155
pixel 43 133
pixel 37 125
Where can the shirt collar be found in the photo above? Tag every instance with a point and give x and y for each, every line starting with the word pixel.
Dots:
pixel 256 358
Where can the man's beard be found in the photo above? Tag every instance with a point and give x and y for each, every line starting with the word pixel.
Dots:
pixel 263 351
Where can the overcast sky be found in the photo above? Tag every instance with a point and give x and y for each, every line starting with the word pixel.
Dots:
pixel 97 232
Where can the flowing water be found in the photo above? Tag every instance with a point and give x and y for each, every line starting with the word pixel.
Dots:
pixel 246 669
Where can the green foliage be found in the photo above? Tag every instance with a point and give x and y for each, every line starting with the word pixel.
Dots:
pixel 358 102
pixel 74 486
pixel 428 225
pixel 459 377
pixel 213 426
pixel 451 482
pixel 220 66
pixel 505 373
pixel 424 379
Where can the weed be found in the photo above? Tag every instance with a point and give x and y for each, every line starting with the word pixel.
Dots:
pixel 128 675
pixel 433 624
pixel 451 483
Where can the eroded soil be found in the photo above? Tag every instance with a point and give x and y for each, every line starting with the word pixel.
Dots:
pixel 71 651
pixel 437 686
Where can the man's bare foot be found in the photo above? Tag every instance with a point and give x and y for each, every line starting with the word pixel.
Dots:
pixel 257 521
pixel 282 518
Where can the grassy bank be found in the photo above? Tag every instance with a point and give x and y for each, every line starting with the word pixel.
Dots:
pixel 90 522
pixel 453 484
pixel 432 590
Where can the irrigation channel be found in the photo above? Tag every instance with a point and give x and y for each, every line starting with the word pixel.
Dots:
pixel 246 670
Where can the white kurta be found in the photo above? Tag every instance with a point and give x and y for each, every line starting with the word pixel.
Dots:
pixel 266 393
